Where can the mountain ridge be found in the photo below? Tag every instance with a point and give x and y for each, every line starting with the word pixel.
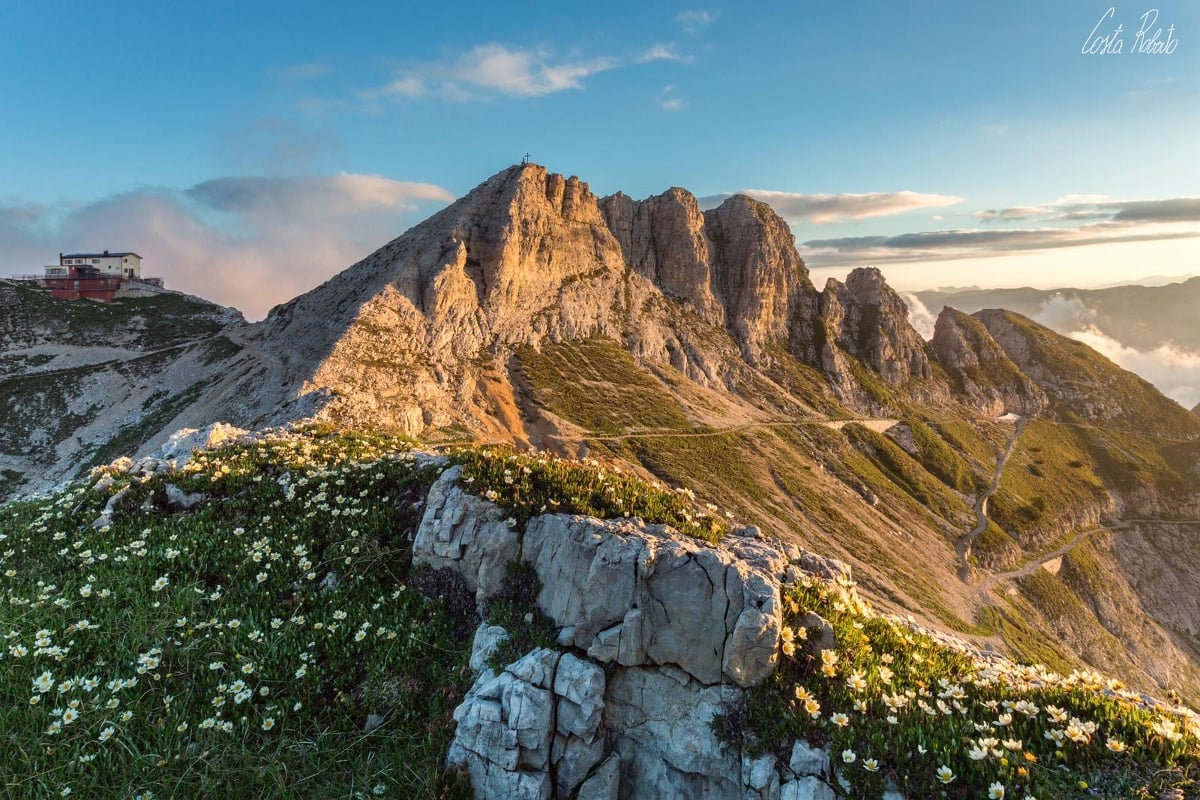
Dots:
pixel 692 346
pixel 1142 317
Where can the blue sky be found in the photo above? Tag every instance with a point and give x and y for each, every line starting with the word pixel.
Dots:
pixel 249 150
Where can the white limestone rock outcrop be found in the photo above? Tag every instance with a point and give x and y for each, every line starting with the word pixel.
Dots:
pixel 533 731
pixel 657 634
pixel 466 533
pixel 641 594
pixel 621 591
pixel 178 448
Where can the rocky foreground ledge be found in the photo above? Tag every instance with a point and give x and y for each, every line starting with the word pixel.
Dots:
pixel 657 633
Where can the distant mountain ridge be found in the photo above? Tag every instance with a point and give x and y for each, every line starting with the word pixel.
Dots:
pixel 693 346
pixel 1142 317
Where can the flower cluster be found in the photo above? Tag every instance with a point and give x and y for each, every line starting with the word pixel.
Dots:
pixel 527 485
pixel 242 644
pixel 938 719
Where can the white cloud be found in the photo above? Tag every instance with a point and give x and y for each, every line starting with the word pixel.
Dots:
pixel 249 242
pixel 522 72
pixel 405 86
pixel 1175 372
pixel 1064 313
pixel 668 100
pixel 825 208
pixel 695 20
pixel 919 316
pixel 497 69
pixel 275 199
pixel 662 52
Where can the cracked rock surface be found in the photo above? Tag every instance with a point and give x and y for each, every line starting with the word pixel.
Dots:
pixel 657 633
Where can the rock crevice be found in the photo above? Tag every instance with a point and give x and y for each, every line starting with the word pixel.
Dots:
pixel 657 633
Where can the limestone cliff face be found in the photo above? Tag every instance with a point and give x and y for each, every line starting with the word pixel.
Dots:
pixel 864 319
pixel 409 336
pixel 984 375
pixel 657 633
pixel 762 280
pixel 664 240
pixel 421 333
pixel 868 319
pixel 418 334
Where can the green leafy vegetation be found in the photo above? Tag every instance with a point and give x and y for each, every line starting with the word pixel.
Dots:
pixel 1103 393
pixel 16 364
pixel 977 441
pixel 995 549
pixel 903 470
pixel 156 322
pixel 895 706
pixel 515 609
pixel 219 348
pixel 598 385
pixel 1039 488
pixel 705 460
pixel 801 380
pixel 267 643
pixel 941 460
pixel 879 393
pixel 527 485
pixel 40 397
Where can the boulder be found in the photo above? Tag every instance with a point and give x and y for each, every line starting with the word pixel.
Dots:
pixel 809 788
pixel 807 760
pixel 180 445
pixel 487 639
pixel 643 594
pixel 466 533
pixel 540 716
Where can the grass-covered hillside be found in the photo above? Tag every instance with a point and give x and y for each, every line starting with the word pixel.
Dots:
pixel 1083 385
pixel 266 643
pixel 32 317
pixel 274 640
pixel 83 382
pixel 897 707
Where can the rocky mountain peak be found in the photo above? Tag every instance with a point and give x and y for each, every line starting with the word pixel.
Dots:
pixel 1081 381
pixel 980 369
pixel 760 276
pixel 663 239
pixel 531 256
pixel 865 318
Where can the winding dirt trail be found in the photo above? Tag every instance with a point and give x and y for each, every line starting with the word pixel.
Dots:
pixel 962 547
pixel 989 582
pixel 878 425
